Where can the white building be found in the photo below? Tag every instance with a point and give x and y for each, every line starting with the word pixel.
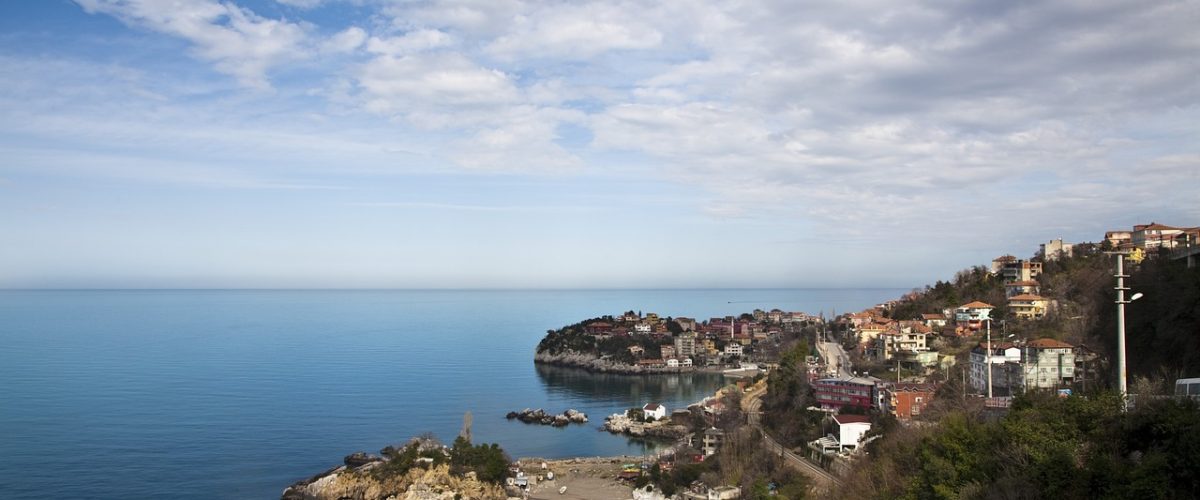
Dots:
pixel 642 328
pixel 733 349
pixel 1056 249
pixel 1037 364
pixel 1002 352
pixel 850 429
pixel 655 410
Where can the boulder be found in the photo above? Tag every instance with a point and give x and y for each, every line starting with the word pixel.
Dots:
pixel 359 459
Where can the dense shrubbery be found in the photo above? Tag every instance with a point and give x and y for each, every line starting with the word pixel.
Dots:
pixel 1046 447
pixel 488 461
pixel 788 395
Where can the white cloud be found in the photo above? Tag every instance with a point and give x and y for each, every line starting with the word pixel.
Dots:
pixel 576 32
pixel 346 40
pixel 414 41
pixel 237 41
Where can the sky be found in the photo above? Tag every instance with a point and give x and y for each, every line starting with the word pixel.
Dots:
pixel 580 144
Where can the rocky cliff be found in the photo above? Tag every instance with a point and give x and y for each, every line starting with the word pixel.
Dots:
pixel 418 483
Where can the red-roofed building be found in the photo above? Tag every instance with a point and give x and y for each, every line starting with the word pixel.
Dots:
pixel 850 429
pixel 906 401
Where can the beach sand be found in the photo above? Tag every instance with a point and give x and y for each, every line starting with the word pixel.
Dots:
pixel 585 478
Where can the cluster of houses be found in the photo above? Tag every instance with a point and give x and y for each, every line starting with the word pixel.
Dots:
pixel 715 341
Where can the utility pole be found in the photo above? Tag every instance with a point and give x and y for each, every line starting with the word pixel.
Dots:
pixel 1121 326
pixel 989 356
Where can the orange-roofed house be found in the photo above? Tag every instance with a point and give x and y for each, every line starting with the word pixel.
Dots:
pixel 973 314
pixel 1028 306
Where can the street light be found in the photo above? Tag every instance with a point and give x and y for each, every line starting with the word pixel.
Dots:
pixel 1121 376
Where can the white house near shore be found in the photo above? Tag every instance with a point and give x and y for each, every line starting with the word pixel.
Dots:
pixel 655 410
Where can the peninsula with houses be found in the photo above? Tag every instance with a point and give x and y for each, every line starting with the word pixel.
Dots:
pixel 632 342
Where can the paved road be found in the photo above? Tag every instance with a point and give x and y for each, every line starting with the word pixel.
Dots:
pixel 823 481
pixel 836 359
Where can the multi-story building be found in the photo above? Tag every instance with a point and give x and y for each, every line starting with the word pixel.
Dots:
pixel 889 343
pixel 1002 352
pixel 1154 235
pixel 1037 364
pixel 973 314
pixel 905 401
pixel 1055 249
pixel 1047 364
pixel 1021 287
pixel 838 392
pixel 685 345
pixel 1021 270
pixel 1027 306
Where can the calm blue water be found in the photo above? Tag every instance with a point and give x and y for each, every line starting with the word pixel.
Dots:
pixel 236 394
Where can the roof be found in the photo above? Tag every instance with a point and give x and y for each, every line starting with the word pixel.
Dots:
pixel 1157 226
pixel 932 316
pixel 997 346
pixel 852 419
pixel 913 387
pixel 650 406
pixel 1026 296
pixel 977 305
pixel 1049 344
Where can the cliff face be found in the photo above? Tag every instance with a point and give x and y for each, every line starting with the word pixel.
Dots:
pixel 593 363
pixel 418 483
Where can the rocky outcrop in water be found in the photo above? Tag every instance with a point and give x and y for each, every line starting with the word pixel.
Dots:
pixel 539 416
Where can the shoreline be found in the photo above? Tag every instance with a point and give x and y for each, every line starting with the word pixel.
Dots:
pixel 596 365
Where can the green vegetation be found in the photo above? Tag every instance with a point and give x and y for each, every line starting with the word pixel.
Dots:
pixel 1046 447
pixel 487 461
pixel 788 395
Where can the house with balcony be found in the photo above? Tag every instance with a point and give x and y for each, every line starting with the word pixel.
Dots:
pixel 1028 306
pixel 972 314
pixel 1153 236
pixel 1001 353
pixel 1021 287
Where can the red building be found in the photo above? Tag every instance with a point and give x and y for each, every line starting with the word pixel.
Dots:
pixel 906 401
pixel 841 392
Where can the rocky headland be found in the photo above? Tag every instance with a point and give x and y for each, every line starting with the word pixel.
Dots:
pixel 421 470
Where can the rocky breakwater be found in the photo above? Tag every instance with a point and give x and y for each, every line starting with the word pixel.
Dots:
pixel 539 416
pixel 595 363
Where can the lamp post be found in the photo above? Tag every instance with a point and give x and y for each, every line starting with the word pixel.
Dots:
pixel 1121 378
pixel 989 356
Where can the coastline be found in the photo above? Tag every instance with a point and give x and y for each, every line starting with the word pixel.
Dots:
pixel 594 364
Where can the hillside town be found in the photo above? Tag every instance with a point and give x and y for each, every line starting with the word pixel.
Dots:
pixel 890 361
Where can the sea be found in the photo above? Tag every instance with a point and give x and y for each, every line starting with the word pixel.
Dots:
pixel 239 393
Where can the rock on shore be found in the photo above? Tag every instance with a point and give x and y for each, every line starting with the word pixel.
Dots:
pixel 539 416
pixel 358 480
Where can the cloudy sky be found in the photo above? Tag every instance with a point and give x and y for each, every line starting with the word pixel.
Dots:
pixel 510 143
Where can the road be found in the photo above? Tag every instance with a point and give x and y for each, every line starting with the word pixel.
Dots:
pixel 836 359
pixel 823 481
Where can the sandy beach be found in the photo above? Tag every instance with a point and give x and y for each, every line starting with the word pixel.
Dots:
pixel 585 478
